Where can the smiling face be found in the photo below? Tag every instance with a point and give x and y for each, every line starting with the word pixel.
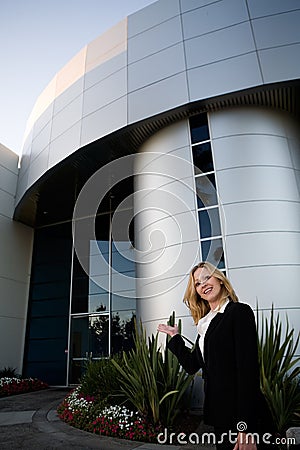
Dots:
pixel 208 287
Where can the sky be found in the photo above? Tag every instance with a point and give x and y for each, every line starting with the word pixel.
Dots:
pixel 37 38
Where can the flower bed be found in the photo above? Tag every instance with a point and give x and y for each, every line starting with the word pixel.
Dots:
pixel 13 386
pixel 89 414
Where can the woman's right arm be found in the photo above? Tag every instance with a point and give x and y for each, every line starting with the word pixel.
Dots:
pixel 191 360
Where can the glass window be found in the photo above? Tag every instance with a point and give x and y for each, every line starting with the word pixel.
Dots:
pixel 52 245
pixel 91 298
pixel 99 335
pixel 202 158
pixel 100 247
pixel 54 372
pixel 77 370
pixel 99 302
pixel 99 258
pixel 80 286
pixel 48 307
pixel 79 337
pixel 91 294
pixel 199 128
pixel 58 289
pixel 209 222
pixel 48 327
pixel 212 251
pixel 123 269
pixel 102 227
pixel 44 273
pixel 79 305
pixel 206 191
pixel 123 256
pixel 122 330
pixel 122 283
pixel 96 288
pixel 89 336
pixel 120 303
pixel 49 351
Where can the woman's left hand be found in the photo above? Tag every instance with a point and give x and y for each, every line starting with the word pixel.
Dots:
pixel 171 331
pixel 245 441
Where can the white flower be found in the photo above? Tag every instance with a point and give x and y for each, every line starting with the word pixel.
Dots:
pixel 7 380
pixel 76 402
pixel 123 415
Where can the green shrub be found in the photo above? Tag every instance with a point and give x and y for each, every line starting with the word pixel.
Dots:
pixel 171 378
pixel 100 379
pixel 152 381
pixel 9 372
pixel 279 373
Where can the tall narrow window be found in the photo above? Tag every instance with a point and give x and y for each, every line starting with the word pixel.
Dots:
pixel 206 191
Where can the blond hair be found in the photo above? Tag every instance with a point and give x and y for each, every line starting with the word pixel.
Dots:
pixel 198 306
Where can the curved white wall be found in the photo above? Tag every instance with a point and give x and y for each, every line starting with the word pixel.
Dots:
pixel 257 162
pixel 166 224
pixel 16 246
pixel 166 55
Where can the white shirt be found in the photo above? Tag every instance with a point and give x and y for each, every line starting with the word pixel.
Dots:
pixel 204 322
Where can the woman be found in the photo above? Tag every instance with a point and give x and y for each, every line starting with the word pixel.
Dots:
pixel 226 351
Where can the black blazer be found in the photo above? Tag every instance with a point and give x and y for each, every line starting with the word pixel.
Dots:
pixel 230 369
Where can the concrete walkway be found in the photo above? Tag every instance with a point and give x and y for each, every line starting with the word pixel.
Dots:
pixel 29 421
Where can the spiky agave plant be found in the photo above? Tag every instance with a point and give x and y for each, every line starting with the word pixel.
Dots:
pixel 279 370
pixel 171 378
pixel 148 379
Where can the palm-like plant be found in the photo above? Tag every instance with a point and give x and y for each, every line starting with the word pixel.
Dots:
pixel 152 381
pixel 279 373
pixel 171 378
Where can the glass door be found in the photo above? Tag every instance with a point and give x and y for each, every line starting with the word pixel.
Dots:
pixel 89 339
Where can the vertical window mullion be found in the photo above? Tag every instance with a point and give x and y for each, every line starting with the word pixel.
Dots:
pixel 110 286
pixel 70 317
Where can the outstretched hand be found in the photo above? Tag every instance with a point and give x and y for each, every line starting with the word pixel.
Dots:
pixel 171 331
pixel 245 442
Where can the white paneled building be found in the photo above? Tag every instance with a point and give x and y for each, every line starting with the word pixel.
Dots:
pixel 170 139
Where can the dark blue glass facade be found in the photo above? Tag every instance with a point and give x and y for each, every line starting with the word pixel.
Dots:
pixel 75 314
pixel 48 313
